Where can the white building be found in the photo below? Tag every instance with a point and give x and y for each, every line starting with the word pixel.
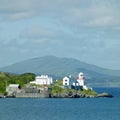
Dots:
pixel 13 89
pixel 66 81
pixel 79 83
pixel 42 80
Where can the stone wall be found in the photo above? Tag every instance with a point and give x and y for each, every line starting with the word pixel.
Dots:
pixel 32 95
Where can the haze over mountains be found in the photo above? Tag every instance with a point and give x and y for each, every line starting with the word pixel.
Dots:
pixel 60 67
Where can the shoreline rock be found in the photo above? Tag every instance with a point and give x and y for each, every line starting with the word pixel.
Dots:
pixel 104 95
pixel 101 95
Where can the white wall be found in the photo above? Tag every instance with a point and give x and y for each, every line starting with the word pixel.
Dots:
pixel 42 80
pixel 66 81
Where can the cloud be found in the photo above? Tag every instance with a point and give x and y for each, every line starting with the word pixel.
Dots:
pixel 9 9
pixel 103 13
pixel 117 28
pixel 38 34
pixel 97 14
pixel 60 27
pixel 17 16
pixel 15 10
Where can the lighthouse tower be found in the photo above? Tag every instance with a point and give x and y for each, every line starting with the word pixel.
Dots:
pixel 80 80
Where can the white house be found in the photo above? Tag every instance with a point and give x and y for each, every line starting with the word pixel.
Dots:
pixel 78 84
pixel 42 80
pixel 66 81
pixel 13 89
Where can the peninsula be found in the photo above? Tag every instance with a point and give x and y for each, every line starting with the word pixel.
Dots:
pixel 29 85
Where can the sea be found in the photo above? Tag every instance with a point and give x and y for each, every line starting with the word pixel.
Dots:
pixel 62 108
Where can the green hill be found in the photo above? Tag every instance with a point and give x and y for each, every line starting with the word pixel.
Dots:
pixel 59 67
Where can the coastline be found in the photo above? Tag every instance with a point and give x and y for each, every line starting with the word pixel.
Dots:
pixel 48 95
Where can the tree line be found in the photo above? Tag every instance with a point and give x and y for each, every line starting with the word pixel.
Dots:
pixel 7 78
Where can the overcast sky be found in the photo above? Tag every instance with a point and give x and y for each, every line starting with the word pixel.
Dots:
pixel 88 30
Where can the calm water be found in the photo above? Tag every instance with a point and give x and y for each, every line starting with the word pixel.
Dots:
pixel 62 109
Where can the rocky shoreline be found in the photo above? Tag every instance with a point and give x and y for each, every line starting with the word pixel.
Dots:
pixel 70 95
pixel 101 95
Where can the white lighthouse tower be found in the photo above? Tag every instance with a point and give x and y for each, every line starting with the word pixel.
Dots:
pixel 80 80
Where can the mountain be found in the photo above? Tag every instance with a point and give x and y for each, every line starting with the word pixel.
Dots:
pixel 60 67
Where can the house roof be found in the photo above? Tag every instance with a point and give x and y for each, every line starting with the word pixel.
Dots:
pixel 14 85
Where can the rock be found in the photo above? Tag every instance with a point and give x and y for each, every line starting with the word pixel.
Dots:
pixel 104 95
pixel 79 95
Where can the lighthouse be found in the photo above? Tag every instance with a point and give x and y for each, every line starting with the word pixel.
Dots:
pixel 81 79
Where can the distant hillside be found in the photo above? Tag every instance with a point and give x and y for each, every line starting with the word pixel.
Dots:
pixel 59 67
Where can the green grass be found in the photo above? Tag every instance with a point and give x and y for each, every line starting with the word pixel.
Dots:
pixel 89 92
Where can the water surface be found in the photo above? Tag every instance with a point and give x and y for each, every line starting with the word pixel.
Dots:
pixel 61 109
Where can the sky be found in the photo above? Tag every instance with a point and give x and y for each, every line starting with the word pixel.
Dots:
pixel 87 30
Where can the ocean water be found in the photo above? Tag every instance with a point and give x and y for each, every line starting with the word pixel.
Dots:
pixel 62 109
